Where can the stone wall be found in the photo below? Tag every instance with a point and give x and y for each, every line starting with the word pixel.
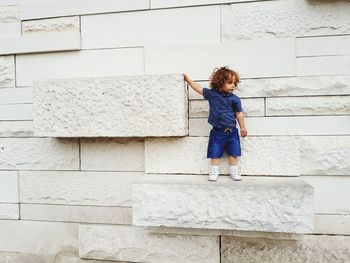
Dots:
pixel 71 199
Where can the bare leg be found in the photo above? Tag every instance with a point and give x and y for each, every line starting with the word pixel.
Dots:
pixel 215 161
pixel 232 160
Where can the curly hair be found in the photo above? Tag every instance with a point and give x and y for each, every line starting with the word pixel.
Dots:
pixel 221 75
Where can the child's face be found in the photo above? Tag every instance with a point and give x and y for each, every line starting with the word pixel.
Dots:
pixel 229 85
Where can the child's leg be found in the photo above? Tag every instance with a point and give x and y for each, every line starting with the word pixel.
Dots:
pixel 232 160
pixel 234 171
pixel 214 169
pixel 215 161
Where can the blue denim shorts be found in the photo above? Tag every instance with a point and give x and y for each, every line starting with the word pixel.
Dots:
pixel 220 141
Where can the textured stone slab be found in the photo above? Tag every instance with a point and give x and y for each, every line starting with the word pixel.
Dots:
pixel 38 237
pixel 253 204
pixel 40 43
pixel 39 154
pixel 175 26
pixel 313 248
pixel 16 112
pixel 52 25
pixel 136 244
pixel 124 106
pixel 251 107
pixel 270 19
pixel 111 154
pixel 180 3
pixel 331 194
pixel 7 71
pixel 325 155
pixel 10 14
pixel 294 125
pixel 326 105
pixel 86 63
pixel 16 129
pixel 323 46
pixel 9 211
pixel 77 188
pixel 78 214
pixel 324 65
pixel 248 57
pixel 8 186
pixel 57 8
pixel 260 156
pixel 295 86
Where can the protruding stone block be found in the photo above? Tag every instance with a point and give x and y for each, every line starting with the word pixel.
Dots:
pixel 124 106
pixel 253 204
pixel 136 244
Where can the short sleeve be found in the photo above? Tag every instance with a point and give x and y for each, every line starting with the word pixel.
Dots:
pixel 207 93
pixel 237 104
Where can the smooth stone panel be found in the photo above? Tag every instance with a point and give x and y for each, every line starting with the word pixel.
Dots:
pixel 116 62
pixel 332 224
pixel 40 43
pixel 9 211
pixel 150 105
pixel 16 112
pixel 39 154
pixel 112 154
pixel 16 95
pixel 331 194
pixel 251 107
pixel 56 8
pixel 325 155
pixel 10 29
pixel 181 3
pixel 8 187
pixel 51 25
pixel 294 125
pixel 7 71
pixel 253 204
pixel 324 65
pixel 294 86
pixel 323 46
pixel 151 27
pixel 250 58
pixel 129 243
pixel 77 188
pixel 78 214
pixel 288 18
pixel 38 237
pixel 260 156
pixel 16 129
pixel 313 248
pixel 325 105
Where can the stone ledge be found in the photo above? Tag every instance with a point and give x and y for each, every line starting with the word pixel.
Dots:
pixel 264 204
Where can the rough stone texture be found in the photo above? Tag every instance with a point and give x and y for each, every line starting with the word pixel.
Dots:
pixel 251 107
pixel 275 155
pixel 70 213
pixel 325 155
pixel 138 245
pixel 77 188
pixel 38 237
pixel 284 19
pixel 328 105
pixel 7 71
pixel 9 211
pixel 124 106
pixel 62 24
pixel 39 153
pixel 312 248
pixel 16 129
pixel 294 86
pixel 253 204
pixel 122 154
pixel 9 14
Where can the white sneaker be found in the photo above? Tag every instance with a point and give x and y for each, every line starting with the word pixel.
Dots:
pixel 213 175
pixel 235 174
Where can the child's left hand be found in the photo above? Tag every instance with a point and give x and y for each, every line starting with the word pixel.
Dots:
pixel 244 132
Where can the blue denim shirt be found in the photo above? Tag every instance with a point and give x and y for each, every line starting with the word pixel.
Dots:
pixel 222 108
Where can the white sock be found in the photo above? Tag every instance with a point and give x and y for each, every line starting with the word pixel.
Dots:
pixel 215 168
pixel 232 167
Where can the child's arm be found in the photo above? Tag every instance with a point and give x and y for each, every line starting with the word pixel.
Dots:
pixel 195 86
pixel 240 118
